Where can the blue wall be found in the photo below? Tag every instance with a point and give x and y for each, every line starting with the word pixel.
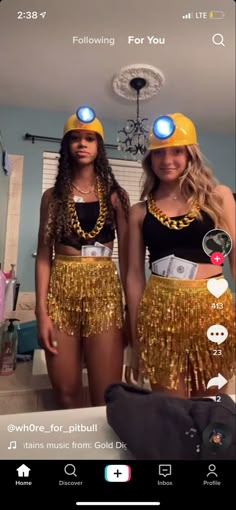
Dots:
pixel 15 122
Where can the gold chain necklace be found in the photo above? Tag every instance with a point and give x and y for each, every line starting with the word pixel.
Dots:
pixel 168 222
pixel 84 192
pixel 74 220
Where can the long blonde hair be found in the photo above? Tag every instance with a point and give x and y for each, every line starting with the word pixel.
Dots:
pixel 196 183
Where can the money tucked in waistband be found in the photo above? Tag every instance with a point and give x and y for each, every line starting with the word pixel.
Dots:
pixel 175 267
pixel 96 250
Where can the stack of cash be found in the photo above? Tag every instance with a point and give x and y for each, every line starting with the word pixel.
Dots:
pixel 175 267
pixel 97 250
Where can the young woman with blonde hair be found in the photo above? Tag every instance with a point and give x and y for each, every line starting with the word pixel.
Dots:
pixel 170 315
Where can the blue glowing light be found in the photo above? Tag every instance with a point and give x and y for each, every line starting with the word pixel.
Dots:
pixel 163 127
pixel 85 114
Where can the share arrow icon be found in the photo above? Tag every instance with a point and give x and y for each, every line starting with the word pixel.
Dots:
pixel 218 381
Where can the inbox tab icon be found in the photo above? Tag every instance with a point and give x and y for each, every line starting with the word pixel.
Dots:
pixel 165 470
pixel 117 473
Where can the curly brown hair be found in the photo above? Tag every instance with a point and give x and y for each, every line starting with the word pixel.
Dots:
pixel 58 224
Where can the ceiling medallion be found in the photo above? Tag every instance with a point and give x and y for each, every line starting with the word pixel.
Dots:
pixel 154 80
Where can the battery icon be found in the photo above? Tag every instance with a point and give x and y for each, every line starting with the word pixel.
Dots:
pixel 216 14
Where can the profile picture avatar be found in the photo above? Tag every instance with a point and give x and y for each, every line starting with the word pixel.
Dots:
pixel 217 436
pixel 217 240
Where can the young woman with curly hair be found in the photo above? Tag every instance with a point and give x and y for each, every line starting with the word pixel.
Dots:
pixel 78 298
pixel 170 315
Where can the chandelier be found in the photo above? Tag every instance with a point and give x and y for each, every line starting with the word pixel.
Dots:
pixel 132 139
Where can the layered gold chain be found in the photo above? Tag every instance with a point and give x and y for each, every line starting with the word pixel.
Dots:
pixel 169 222
pixel 74 220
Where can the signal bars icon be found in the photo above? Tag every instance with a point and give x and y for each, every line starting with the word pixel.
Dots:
pixel 188 16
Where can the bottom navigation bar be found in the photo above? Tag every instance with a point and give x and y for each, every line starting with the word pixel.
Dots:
pixel 76 483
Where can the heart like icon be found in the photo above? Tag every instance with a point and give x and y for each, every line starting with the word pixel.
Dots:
pixel 217 287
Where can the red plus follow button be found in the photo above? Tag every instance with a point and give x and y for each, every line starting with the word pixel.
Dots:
pixel 217 258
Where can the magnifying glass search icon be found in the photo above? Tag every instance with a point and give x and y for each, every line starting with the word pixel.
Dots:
pixel 218 40
pixel 69 469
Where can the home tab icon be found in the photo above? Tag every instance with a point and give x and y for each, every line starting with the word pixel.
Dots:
pixel 23 471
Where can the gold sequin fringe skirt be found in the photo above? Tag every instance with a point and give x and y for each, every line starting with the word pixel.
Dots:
pixel 173 318
pixel 84 296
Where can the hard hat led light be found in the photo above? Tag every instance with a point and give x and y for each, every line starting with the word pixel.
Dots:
pixel 85 114
pixel 163 127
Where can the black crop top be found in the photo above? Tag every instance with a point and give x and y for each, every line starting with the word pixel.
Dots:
pixel 186 243
pixel 88 213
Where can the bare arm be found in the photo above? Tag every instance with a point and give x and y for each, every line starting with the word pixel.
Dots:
pixel 122 237
pixel 43 260
pixel 229 215
pixel 136 270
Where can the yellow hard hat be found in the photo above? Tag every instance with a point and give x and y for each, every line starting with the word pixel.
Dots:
pixel 84 119
pixel 171 131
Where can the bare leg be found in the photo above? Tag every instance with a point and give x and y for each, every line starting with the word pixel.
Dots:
pixel 181 391
pixel 64 370
pixel 104 360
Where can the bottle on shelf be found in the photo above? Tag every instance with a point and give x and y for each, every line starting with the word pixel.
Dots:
pixel 13 271
pixel 16 285
pixel 12 289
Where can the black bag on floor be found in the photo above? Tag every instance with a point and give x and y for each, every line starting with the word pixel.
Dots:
pixel 156 426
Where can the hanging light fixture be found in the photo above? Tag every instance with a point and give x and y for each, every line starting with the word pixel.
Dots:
pixel 136 82
pixel 133 137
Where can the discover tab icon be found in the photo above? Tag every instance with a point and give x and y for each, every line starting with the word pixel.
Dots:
pixel 70 470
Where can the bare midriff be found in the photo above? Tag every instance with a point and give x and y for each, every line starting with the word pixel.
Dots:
pixel 204 270
pixel 63 249
pixel 207 271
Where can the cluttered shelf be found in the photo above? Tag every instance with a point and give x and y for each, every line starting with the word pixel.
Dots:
pixel 20 391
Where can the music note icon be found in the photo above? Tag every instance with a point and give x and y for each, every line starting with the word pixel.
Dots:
pixel 12 445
